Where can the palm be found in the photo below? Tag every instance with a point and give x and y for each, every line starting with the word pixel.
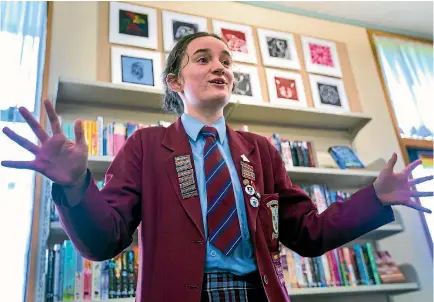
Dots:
pixel 396 188
pixel 57 158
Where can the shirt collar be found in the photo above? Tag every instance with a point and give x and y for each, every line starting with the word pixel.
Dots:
pixel 193 126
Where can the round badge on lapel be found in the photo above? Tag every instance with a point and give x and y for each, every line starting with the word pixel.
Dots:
pixel 254 201
pixel 249 190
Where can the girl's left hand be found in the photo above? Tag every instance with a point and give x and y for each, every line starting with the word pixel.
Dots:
pixel 396 188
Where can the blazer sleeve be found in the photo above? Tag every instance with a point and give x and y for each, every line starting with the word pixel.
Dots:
pixel 103 222
pixel 310 234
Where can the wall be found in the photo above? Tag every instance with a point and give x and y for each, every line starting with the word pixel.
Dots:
pixel 76 46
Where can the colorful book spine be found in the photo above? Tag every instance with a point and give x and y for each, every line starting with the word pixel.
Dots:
pixel 69 271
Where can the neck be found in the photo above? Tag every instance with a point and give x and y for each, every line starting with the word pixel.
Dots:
pixel 208 117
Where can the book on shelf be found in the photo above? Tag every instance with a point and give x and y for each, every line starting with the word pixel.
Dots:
pixel 70 277
pixel 345 157
pixel 106 139
pixel 351 266
pixel 294 153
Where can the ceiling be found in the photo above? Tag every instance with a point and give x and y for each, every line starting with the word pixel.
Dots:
pixel 404 17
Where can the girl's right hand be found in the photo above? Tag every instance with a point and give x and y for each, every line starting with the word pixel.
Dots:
pixel 61 160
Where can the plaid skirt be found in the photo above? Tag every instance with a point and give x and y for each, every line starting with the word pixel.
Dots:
pixel 226 287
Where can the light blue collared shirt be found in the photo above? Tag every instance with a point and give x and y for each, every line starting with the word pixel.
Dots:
pixel 242 260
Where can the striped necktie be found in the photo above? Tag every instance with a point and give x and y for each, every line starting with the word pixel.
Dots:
pixel 222 218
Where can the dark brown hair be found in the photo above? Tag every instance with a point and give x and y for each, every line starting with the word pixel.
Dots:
pixel 172 103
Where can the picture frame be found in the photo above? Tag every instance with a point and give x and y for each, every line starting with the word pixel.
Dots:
pixel 136 67
pixel 321 57
pixel 285 88
pixel 177 25
pixel 278 49
pixel 240 40
pixel 247 87
pixel 329 93
pixel 124 31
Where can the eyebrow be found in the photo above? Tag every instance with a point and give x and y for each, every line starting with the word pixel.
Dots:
pixel 209 50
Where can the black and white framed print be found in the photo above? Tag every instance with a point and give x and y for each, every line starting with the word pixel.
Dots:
pixel 176 26
pixel 133 25
pixel 140 68
pixel 239 38
pixel 321 57
pixel 285 88
pixel 329 93
pixel 247 86
pixel 278 49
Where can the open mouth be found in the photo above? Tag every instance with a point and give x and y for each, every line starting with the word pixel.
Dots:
pixel 218 82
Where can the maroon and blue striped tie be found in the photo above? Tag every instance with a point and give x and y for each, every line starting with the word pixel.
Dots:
pixel 223 225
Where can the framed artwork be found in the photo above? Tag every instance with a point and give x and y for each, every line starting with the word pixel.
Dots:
pixel 176 26
pixel 239 38
pixel 140 68
pixel 246 84
pixel 285 88
pixel 278 49
pixel 133 25
pixel 321 57
pixel 329 93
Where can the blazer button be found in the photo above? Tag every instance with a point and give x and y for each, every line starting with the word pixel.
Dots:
pixel 265 278
pixel 191 286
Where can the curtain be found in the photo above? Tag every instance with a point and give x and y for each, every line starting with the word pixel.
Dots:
pixel 22 56
pixel 407 68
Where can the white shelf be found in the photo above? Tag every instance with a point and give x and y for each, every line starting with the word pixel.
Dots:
pixel 328 176
pixel 58 234
pixel 148 99
pixel 331 291
pixel 349 178
pixel 395 288
pixel 272 114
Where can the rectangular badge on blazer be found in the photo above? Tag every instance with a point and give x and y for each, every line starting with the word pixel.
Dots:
pixel 247 171
pixel 186 180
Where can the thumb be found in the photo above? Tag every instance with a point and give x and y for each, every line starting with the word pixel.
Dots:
pixel 391 163
pixel 79 133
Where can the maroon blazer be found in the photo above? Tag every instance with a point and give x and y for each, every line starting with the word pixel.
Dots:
pixel 142 191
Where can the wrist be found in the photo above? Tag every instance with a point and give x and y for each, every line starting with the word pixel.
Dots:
pixel 77 183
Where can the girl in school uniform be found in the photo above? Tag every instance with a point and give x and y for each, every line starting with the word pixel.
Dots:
pixel 211 203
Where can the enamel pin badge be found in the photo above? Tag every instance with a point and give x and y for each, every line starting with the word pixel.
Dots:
pixel 186 180
pixel 273 206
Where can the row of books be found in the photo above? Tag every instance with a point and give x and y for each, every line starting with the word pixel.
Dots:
pixel 70 277
pixel 301 153
pixel 106 139
pixel 295 153
pixel 344 266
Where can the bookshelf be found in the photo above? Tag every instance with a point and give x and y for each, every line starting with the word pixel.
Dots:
pixel 328 292
pixel 107 94
pixel 76 98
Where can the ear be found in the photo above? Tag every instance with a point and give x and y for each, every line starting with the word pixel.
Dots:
pixel 173 82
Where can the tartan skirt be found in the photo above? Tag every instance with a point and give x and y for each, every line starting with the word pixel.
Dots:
pixel 227 287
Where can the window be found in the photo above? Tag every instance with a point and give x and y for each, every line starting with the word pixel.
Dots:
pixel 407 68
pixel 22 55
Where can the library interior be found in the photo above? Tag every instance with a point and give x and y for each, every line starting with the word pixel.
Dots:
pixel 319 114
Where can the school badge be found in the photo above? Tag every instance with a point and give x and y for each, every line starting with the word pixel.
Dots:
pixel 186 180
pixel 247 171
pixel 273 206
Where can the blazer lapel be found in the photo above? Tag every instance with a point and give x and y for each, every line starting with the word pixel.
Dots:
pixel 241 148
pixel 176 140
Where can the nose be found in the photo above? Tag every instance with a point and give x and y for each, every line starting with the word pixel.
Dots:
pixel 218 70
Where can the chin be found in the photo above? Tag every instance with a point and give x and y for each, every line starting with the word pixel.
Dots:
pixel 218 98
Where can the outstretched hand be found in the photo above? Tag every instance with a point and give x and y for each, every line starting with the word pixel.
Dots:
pixel 57 158
pixel 396 188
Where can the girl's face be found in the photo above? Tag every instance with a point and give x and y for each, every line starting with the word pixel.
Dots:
pixel 206 77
